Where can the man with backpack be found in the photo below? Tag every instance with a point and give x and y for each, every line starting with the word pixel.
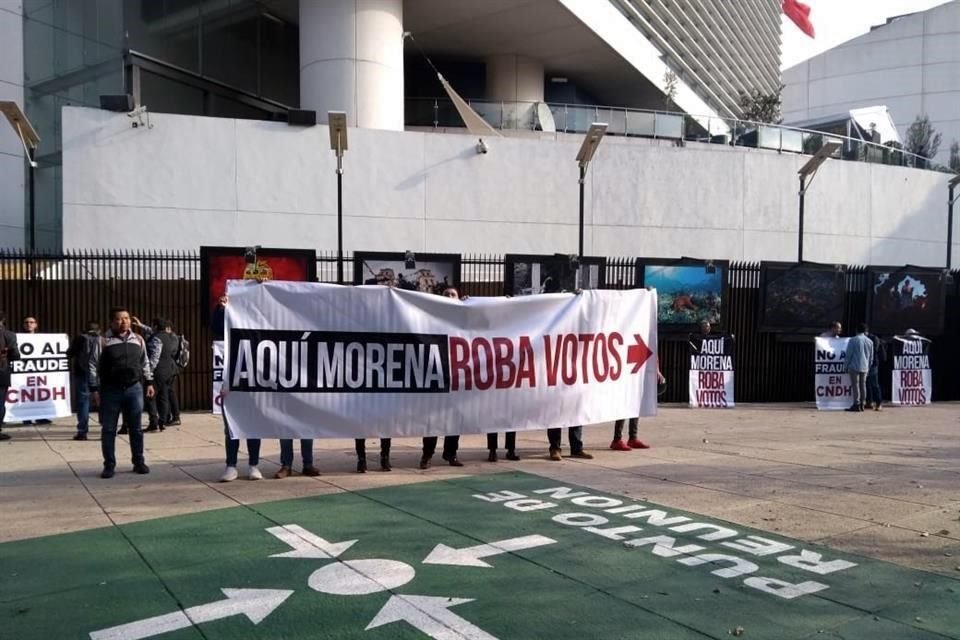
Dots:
pixel 79 352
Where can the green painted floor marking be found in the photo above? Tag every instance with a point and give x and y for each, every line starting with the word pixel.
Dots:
pixel 582 585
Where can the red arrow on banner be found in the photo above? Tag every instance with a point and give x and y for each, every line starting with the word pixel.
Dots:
pixel 638 353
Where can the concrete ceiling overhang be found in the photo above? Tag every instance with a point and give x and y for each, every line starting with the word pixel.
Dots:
pixel 541 29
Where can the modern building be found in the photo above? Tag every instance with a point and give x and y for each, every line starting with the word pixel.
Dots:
pixel 258 59
pixel 910 64
pixel 218 157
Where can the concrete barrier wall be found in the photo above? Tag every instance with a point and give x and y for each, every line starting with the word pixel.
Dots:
pixel 192 181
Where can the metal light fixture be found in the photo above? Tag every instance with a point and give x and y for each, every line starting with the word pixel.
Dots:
pixel 951 200
pixel 337 123
pixel 587 150
pixel 30 141
pixel 809 170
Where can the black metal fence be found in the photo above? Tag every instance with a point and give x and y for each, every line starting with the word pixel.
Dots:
pixel 65 291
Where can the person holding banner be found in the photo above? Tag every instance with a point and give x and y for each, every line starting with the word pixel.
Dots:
pixel 232 446
pixel 859 359
pixel 119 366
pixel 450 443
pixel 510 441
pixel 450 446
pixel 360 444
pixel 8 353
pixel 30 324
pixel 286 459
pixel 634 442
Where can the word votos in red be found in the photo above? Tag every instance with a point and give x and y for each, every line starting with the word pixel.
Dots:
pixel 570 359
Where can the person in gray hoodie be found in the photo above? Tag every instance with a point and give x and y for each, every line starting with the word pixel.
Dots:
pixel 859 359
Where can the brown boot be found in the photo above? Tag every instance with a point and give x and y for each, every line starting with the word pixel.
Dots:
pixel 555 455
pixel 283 472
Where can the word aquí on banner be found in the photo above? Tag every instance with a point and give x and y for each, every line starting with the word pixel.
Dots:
pixel 312 361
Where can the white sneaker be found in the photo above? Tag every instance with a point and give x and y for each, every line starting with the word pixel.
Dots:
pixel 255 473
pixel 229 475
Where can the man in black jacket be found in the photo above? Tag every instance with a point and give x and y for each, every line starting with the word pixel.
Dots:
pixel 81 348
pixel 162 350
pixel 8 353
pixel 118 369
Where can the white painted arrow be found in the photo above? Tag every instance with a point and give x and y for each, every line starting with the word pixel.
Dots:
pixel 256 604
pixel 470 556
pixel 306 544
pixel 431 615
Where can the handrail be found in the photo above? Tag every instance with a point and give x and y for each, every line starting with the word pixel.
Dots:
pixel 735 128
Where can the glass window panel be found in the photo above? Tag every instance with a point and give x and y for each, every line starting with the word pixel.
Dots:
pixel 162 95
pixel 168 30
pixel 280 62
pixel 230 48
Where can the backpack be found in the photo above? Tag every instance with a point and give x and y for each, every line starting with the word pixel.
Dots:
pixel 182 356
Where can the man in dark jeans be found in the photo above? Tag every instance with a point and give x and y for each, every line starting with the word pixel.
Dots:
pixel 8 353
pixel 161 349
pixel 79 353
pixel 575 435
pixel 118 368
pixel 451 444
pixel 874 395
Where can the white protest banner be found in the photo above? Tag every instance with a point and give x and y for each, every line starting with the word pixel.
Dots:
pixel 912 376
pixel 833 388
pixel 307 360
pixel 40 380
pixel 217 376
pixel 711 372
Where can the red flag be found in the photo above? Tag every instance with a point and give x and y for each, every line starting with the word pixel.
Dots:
pixel 800 14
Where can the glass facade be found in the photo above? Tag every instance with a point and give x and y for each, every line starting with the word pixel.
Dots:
pixel 226 58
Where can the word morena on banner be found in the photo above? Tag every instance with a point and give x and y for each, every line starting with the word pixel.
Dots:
pixel 376 361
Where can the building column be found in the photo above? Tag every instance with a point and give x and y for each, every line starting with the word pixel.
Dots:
pixel 517 83
pixel 351 59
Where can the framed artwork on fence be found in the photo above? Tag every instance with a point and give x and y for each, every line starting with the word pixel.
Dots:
pixel 428 272
pixel 801 298
pixel 219 264
pixel 525 274
pixel 901 298
pixel 689 291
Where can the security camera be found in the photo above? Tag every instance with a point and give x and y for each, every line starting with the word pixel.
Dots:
pixel 482 146
pixel 137 116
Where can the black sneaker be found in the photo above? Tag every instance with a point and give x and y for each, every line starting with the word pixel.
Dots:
pixel 141 468
pixel 151 429
pixel 80 436
pixel 492 456
pixel 106 473
pixel 174 423
pixel 122 431
pixel 4 436
pixel 512 455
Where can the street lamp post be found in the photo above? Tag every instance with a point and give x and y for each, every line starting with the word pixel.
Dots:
pixel 951 200
pixel 30 141
pixel 809 170
pixel 337 122
pixel 587 149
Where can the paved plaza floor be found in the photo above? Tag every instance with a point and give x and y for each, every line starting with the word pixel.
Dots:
pixel 764 522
